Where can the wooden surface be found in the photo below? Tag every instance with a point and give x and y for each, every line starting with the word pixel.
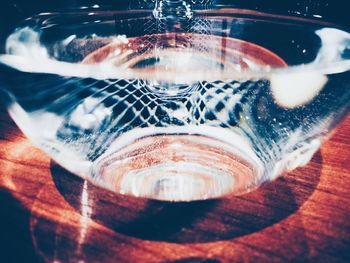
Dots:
pixel 47 214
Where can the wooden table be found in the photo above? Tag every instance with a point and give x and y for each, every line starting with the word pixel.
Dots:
pixel 48 214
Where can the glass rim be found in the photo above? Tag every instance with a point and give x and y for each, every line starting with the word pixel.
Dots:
pixel 79 70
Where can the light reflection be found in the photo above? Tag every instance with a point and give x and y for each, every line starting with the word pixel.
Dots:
pixel 18 149
pixel 85 215
pixel 6 177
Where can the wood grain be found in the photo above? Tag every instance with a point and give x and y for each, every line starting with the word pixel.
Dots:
pixel 48 214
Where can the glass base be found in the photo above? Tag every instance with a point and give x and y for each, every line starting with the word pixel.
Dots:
pixel 177 167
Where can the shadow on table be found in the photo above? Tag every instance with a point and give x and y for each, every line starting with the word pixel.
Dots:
pixel 15 236
pixel 189 222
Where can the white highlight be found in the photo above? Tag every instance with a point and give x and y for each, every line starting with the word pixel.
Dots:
pixel 291 90
pixel 85 216
pixel 69 39
pixel 296 88
pixel 334 43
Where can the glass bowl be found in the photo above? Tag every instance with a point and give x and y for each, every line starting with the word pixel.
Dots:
pixel 176 100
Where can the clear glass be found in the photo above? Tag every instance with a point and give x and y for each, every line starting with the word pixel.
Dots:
pixel 176 103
